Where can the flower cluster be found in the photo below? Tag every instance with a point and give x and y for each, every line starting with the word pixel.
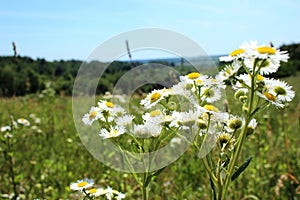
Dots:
pixel 257 61
pixel 86 187
pixel 188 112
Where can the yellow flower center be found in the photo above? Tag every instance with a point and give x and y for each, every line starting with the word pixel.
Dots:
pixel 199 81
pixel 227 71
pixel 93 114
pixel 154 97
pixel 211 108
pixel 154 113
pixel 237 52
pixel 266 50
pixel 260 77
pixel 82 184
pixel 193 75
pixel 270 96
pixel 109 104
pixel 115 132
pixel 92 191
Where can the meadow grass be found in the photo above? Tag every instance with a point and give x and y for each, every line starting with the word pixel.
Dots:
pixel 46 161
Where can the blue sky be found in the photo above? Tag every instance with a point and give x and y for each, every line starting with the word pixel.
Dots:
pixel 73 29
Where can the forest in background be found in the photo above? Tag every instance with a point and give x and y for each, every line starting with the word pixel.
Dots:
pixel 21 76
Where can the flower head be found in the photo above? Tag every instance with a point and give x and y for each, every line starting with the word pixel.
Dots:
pixel 155 96
pixel 93 115
pixel 23 121
pixel 96 192
pixel 112 132
pixel 82 184
pixel 5 129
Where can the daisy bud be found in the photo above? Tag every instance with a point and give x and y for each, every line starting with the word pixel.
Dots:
pixel 235 123
pixel 238 94
pixel 243 99
pixel 172 105
pixel 201 123
pixel 245 108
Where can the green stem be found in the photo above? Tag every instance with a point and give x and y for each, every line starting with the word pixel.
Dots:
pixel 145 193
pixel 241 137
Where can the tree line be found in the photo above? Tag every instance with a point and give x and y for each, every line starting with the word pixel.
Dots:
pixel 21 76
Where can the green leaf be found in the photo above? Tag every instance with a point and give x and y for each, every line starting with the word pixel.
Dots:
pixel 241 169
pixel 153 176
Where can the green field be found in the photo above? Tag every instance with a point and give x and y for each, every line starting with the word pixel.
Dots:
pixel 46 157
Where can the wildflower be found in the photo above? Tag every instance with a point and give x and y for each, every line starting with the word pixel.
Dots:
pixel 23 121
pixel 185 119
pixel 226 141
pixel 194 78
pixel 210 108
pixel 265 66
pixel 105 105
pixel 112 133
pixel 96 192
pixel 120 196
pixel 235 123
pixel 271 98
pixel 210 94
pixel 93 115
pixel 229 71
pixel 272 54
pixel 251 126
pixel 109 193
pixel 155 96
pixel 124 120
pixel 234 55
pixel 5 129
pixel 147 130
pixel 280 89
pixel 82 184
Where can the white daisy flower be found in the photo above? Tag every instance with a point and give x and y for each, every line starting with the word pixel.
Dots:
pixel 120 196
pixel 109 193
pixel 5 129
pixel 280 89
pixel 234 55
pixel 268 96
pixel 82 184
pixel 155 96
pixel 23 121
pixel 125 120
pixel 243 83
pixel 265 66
pixel 267 52
pixel 146 130
pixel 210 94
pixel 228 71
pixel 208 108
pixel 37 120
pixel 152 117
pixel 185 119
pixel 251 126
pixel 93 115
pixel 114 132
pixel 105 105
pixel 96 192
